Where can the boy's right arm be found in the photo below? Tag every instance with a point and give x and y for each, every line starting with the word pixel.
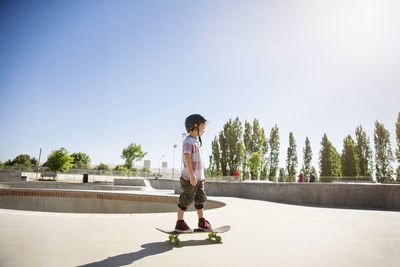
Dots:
pixel 193 180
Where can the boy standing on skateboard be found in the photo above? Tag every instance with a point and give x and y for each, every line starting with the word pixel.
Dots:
pixel 193 178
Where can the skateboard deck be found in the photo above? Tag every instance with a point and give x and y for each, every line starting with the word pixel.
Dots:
pixel 173 235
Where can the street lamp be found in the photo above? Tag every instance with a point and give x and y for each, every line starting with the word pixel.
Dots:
pixel 173 163
pixel 162 163
pixel 183 137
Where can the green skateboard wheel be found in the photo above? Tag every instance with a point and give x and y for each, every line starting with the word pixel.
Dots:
pixel 218 239
pixel 210 236
pixel 177 242
pixel 170 237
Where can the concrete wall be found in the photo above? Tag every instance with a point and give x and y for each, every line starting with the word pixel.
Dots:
pixel 63 185
pixel 89 202
pixel 129 182
pixel 368 196
pixel 160 184
pixel 164 184
pixel 10 176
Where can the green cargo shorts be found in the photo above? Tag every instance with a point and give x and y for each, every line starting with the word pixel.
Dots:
pixel 190 193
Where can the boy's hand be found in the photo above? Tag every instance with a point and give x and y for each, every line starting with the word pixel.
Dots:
pixel 193 181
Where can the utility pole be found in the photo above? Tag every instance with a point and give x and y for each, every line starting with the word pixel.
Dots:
pixel 38 164
pixel 173 163
pixel 183 137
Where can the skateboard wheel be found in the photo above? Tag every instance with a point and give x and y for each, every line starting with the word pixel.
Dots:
pixel 170 237
pixel 210 236
pixel 177 242
pixel 218 239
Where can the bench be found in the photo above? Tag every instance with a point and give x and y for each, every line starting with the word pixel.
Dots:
pixel 48 174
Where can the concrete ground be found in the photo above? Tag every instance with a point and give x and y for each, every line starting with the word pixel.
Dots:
pixel 262 234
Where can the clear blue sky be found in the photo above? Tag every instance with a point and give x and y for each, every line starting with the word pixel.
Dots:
pixel 94 76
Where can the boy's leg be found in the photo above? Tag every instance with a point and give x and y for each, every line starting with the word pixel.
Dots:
pixel 180 214
pixel 199 201
pixel 185 199
pixel 200 213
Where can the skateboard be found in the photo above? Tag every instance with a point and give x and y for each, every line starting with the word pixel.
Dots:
pixel 173 235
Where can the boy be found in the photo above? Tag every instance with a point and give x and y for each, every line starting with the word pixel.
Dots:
pixel 193 178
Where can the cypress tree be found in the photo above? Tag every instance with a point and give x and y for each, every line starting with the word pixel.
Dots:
pixel 398 148
pixel 247 140
pixel 215 160
pixel 364 153
pixel 349 158
pixel 291 160
pixel 307 159
pixel 224 153
pixel 235 145
pixel 383 154
pixel 274 153
pixel 329 159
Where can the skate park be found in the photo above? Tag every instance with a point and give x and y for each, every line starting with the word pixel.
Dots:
pixel 274 224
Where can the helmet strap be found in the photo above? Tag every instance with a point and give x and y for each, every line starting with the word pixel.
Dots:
pixel 198 134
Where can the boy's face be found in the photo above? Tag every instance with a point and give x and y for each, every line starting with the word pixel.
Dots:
pixel 202 130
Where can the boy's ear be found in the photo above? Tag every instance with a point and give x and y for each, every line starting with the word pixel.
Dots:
pixel 196 125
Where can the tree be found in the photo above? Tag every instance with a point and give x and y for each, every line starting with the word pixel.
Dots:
pixel 121 168
pixel 102 167
pixel 282 175
pixel 59 160
pixel 215 158
pixel 132 153
pixel 22 161
pixel 383 154
pixel 363 152
pixel 264 157
pixel 257 139
pixel 307 159
pixel 224 153
pixel 254 164
pixel 231 147
pixel 291 161
pixel 349 158
pixel 257 143
pixel 398 148
pixel 248 143
pixel 329 159
pixel 234 145
pixel 81 160
pixel 274 153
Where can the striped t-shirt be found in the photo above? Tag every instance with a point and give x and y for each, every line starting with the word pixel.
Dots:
pixel 192 146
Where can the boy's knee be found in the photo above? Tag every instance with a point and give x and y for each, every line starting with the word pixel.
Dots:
pixel 198 206
pixel 182 207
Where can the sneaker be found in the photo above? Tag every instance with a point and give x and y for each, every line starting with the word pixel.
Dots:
pixel 182 227
pixel 204 225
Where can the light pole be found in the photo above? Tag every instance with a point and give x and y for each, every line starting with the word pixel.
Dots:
pixel 183 137
pixel 38 165
pixel 173 163
pixel 163 168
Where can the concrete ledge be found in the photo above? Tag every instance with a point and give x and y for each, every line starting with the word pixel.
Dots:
pixel 73 186
pixel 89 202
pixel 129 182
pixel 164 184
pixel 366 196
pixel 10 176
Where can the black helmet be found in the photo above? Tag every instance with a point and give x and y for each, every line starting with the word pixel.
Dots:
pixel 192 120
